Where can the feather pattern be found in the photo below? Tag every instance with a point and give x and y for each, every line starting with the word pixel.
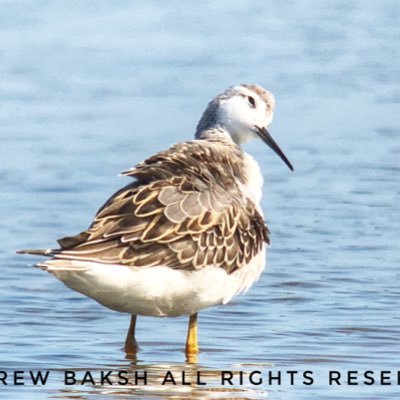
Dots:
pixel 185 210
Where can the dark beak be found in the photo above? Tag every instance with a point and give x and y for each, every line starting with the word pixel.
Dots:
pixel 267 139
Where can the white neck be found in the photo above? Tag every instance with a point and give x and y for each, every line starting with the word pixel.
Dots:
pixel 254 179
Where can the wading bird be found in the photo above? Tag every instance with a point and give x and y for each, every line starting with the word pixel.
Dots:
pixel 188 232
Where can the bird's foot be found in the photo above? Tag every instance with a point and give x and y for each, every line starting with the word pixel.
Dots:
pixel 131 347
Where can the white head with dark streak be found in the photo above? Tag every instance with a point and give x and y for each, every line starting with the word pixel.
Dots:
pixel 244 112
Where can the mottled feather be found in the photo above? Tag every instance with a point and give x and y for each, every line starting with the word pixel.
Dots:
pixel 185 210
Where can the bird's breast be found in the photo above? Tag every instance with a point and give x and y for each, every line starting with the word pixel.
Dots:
pixel 253 180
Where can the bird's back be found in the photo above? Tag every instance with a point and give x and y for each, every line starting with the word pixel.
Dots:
pixel 185 210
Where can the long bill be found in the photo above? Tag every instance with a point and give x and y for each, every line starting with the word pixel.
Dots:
pixel 267 139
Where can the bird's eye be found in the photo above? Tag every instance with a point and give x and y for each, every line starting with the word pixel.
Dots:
pixel 251 101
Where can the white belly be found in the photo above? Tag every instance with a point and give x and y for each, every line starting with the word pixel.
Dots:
pixel 155 291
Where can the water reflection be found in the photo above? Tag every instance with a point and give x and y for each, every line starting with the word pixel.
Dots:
pixel 177 381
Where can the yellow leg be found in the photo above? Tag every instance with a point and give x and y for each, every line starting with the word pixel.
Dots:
pixel 131 345
pixel 192 348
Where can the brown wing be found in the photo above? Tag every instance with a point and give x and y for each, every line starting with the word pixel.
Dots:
pixel 183 222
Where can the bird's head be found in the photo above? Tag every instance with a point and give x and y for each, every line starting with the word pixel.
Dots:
pixel 244 112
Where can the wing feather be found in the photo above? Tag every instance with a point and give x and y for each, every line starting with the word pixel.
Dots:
pixel 180 213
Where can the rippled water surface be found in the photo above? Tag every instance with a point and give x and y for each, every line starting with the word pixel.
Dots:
pixel 88 89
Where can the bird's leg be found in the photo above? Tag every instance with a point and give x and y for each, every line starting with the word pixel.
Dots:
pixel 192 348
pixel 131 345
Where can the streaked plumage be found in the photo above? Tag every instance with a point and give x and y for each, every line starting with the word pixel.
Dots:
pixel 188 232
pixel 184 211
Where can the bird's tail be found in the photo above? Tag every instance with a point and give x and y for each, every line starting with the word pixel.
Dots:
pixel 39 252
pixel 56 264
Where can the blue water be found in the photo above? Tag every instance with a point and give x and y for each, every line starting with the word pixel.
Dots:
pixel 88 89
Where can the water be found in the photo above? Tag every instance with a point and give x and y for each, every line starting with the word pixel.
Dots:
pixel 81 85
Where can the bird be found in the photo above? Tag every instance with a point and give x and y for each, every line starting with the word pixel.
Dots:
pixel 188 231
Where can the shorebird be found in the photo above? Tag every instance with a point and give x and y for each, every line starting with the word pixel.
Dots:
pixel 188 232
